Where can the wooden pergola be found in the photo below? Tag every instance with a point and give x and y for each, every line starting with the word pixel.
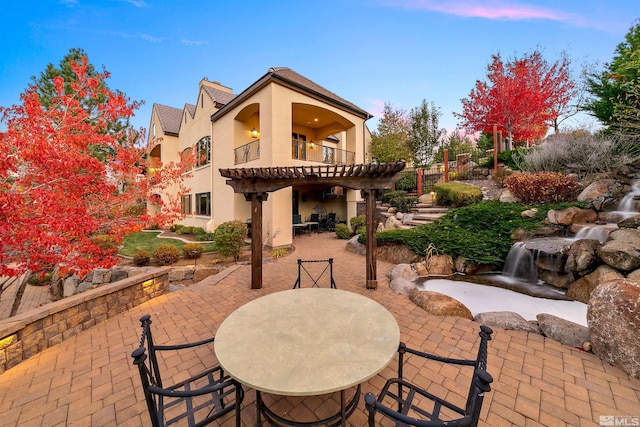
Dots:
pixel 257 183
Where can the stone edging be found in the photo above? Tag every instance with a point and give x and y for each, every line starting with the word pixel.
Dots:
pixel 29 333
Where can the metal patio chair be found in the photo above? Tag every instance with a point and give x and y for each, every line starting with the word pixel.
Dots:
pixel 312 275
pixel 195 401
pixel 408 404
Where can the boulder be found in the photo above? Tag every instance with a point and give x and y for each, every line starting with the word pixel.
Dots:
pixel 440 265
pixel 506 320
pixel 634 275
pixel 397 253
pixel 399 216
pixel 613 316
pixel 420 268
pixel 391 223
pixel 69 286
pixel 529 213
pixel 101 275
pixel 598 189
pixel 571 215
pixel 439 304
pixel 562 330
pixel 401 286
pixel 402 271
pixel 622 249
pixel 582 256
pixel 118 274
pixel 354 246
pixel 633 222
pixel 462 265
pixel 201 273
pixel 507 197
pixel 581 289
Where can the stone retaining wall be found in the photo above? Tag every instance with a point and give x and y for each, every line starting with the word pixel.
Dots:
pixel 29 333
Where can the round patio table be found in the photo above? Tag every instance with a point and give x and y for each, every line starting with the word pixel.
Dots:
pixel 304 342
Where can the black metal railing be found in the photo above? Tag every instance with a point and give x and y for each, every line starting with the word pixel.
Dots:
pixel 247 152
pixel 310 152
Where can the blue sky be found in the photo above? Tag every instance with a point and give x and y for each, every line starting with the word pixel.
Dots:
pixel 367 51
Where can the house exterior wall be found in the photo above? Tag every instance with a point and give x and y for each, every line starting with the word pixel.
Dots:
pixel 276 111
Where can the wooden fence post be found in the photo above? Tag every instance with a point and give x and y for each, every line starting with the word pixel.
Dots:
pixel 446 165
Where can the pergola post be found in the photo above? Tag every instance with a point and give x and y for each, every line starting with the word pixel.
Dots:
pixel 371 252
pixel 256 200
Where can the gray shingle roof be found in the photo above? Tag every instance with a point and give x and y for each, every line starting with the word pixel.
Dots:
pixel 170 118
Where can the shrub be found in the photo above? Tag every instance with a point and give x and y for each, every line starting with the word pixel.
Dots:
pixel 342 231
pixel 278 252
pixel 141 258
pixel 544 187
pixel 388 195
pixel 408 182
pixel 105 242
pixel 40 279
pixel 457 194
pixel 175 227
pixel 206 237
pixel 403 203
pixel 196 231
pixel 185 230
pixel 229 238
pixel 166 254
pixel 500 175
pixel 357 222
pixel 192 250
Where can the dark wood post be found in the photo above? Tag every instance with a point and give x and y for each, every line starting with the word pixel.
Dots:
pixel 372 270
pixel 495 150
pixel 419 181
pixel 446 165
pixel 256 200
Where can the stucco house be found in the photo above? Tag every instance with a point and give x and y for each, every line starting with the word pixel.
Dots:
pixel 282 119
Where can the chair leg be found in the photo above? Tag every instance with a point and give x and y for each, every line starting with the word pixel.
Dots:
pixel 238 404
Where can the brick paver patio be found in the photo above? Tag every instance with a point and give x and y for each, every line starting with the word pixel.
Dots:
pixel 89 380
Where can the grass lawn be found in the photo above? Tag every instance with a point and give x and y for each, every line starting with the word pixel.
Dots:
pixel 149 241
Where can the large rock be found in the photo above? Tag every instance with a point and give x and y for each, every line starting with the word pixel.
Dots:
pixel 613 316
pixel 562 330
pixel 440 265
pixel 597 189
pixel 397 253
pixel 506 320
pixel 581 289
pixel 571 215
pixel 633 222
pixel 354 246
pixel 582 256
pixel 634 275
pixel 622 249
pixel 202 273
pixel 402 286
pixel 439 304
pixel 508 197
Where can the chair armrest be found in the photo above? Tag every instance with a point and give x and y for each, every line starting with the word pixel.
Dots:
pixel 183 346
pixel 198 392
pixel 465 362
pixel 373 405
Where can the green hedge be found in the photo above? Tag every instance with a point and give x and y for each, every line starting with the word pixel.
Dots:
pixel 457 194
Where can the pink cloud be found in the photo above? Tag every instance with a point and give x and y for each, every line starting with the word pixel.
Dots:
pixel 502 10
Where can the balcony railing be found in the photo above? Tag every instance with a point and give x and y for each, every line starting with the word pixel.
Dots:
pixel 310 152
pixel 247 152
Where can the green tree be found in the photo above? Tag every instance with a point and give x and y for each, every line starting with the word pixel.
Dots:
pixel 614 89
pixel 390 142
pixel 46 89
pixel 425 135
pixel 454 142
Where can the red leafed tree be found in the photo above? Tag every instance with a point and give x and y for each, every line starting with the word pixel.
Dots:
pixel 59 203
pixel 522 97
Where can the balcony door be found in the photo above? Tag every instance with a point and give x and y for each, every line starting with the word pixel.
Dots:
pixel 298 146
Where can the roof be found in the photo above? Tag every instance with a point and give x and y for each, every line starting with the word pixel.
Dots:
pixel 191 109
pixel 219 97
pixel 288 77
pixel 170 118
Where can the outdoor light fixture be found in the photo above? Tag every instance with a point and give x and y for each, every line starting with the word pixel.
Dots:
pixel 254 133
pixel 312 145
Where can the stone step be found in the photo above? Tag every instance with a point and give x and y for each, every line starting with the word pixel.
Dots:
pixel 430 210
pixel 427 216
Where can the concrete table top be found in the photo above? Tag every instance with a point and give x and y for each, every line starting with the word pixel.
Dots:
pixel 308 341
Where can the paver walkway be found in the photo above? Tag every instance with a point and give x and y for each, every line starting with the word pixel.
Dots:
pixel 89 380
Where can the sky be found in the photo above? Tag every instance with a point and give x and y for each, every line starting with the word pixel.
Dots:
pixel 367 51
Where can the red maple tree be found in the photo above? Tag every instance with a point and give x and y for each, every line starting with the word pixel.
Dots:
pixel 61 204
pixel 522 97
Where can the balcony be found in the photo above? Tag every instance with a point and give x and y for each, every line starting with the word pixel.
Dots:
pixel 247 152
pixel 310 152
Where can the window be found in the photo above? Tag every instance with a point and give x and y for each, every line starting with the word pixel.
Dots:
pixel 298 146
pixel 203 204
pixel 154 131
pixel 185 204
pixel 203 151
